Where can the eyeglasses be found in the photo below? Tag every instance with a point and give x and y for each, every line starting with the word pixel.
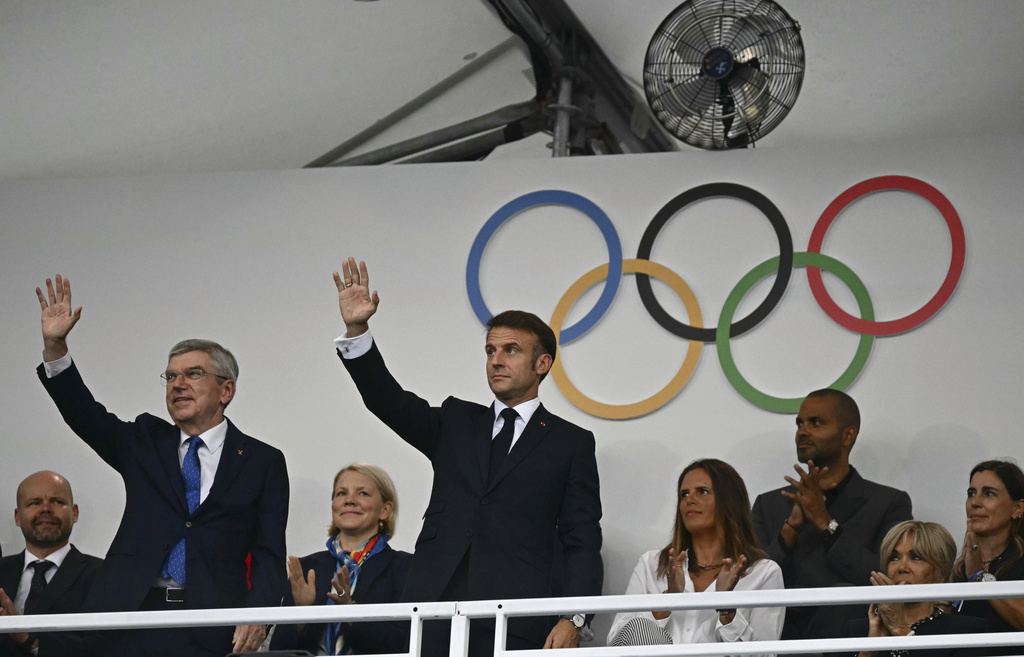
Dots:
pixel 191 374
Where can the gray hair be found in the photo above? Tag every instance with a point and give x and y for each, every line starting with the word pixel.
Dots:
pixel 222 359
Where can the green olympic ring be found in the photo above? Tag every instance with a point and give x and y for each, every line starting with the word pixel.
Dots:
pixel 801 259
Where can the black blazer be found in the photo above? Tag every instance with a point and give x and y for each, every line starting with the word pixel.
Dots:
pixel 381 579
pixel 245 512
pixel 865 512
pixel 547 487
pixel 63 595
pixel 944 624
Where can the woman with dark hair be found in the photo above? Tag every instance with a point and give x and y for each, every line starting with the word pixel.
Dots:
pixel 994 543
pixel 915 552
pixel 713 548
pixel 358 566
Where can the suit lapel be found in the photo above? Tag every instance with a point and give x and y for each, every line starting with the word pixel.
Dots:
pixel 167 452
pixel 483 426
pixel 233 456
pixel 530 438
pixel 371 570
pixel 10 573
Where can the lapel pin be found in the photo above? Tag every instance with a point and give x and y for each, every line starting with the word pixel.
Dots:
pixel 543 425
pixel 239 452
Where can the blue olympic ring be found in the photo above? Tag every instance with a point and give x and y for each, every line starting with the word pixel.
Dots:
pixel 549 197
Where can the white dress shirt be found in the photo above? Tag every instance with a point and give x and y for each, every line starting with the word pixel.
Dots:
pixel 703 625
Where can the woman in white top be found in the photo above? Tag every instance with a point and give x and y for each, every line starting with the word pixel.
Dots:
pixel 713 548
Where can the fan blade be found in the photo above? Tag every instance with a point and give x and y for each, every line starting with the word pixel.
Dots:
pixel 693 96
pixel 749 88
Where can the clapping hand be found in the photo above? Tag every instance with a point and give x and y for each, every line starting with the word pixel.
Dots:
pixel 342 594
pixel 303 589
pixel 730 573
pixel 809 494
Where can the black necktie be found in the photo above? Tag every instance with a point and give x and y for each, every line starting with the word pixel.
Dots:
pixel 502 443
pixel 35 591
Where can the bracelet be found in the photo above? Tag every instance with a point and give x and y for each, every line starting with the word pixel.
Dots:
pixel 725 612
pixel 791 526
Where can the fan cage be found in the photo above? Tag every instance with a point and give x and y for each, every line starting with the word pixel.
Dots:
pixel 769 65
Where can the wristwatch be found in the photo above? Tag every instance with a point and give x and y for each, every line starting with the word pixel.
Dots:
pixel 578 620
pixel 833 526
pixel 987 577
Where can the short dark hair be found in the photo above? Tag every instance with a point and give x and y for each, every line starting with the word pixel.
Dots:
pixel 848 413
pixel 520 319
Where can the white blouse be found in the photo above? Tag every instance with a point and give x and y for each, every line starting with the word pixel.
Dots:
pixel 703 626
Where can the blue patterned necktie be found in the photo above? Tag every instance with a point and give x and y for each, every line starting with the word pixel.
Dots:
pixel 175 564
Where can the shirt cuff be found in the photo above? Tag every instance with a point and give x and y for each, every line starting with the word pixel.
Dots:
pixel 54 368
pixel 354 347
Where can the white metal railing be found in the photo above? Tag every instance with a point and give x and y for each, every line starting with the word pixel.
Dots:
pixel 461 612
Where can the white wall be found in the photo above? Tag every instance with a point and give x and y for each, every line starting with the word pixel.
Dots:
pixel 246 259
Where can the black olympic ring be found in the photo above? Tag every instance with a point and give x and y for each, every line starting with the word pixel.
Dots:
pixel 759 201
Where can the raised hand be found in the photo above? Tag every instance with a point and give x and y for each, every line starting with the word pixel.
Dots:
pixel 810 495
pixel 58 319
pixel 303 590
pixel 730 573
pixel 354 299
pixel 342 594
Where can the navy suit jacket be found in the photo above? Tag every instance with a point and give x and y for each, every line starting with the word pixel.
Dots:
pixel 245 512
pixel 381 579
pixel 543 506
pixel 63 595
pixel 865 511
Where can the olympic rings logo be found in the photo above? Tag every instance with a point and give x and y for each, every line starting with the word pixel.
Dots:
pixel 695 332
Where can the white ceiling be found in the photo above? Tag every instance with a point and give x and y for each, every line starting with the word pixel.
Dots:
pixel 123 87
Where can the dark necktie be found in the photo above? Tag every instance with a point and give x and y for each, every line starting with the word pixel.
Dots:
pixel 35 591
pixel 502 443
pixel 190 471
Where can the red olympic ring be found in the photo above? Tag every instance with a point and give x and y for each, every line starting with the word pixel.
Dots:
pixel 925 312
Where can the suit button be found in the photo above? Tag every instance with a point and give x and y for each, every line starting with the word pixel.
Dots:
pixel 485 501
pixel 469 534
pixel 188 523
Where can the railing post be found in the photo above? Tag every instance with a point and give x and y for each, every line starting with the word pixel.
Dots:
pixel 500 632
pixel 459 646
pixel 415 633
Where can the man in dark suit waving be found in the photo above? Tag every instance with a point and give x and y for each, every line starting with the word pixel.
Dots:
pixel 51 576
pixel 508 478
pixel 201 495
pixel 826 528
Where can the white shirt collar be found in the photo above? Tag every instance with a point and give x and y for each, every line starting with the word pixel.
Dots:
pixel 212 438
pixel 56 558
pixel 525 409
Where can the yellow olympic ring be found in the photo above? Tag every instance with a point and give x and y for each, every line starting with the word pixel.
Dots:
pixel 659 399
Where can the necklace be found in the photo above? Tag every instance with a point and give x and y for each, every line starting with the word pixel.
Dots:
pixel 713 566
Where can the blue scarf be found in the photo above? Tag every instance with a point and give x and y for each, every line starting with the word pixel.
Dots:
pixel 354 563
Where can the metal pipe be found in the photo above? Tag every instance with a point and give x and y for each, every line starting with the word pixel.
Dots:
pixel 416 103
pixel 563 116
pixel 475 147
pixel 541 37
pixel 496 119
